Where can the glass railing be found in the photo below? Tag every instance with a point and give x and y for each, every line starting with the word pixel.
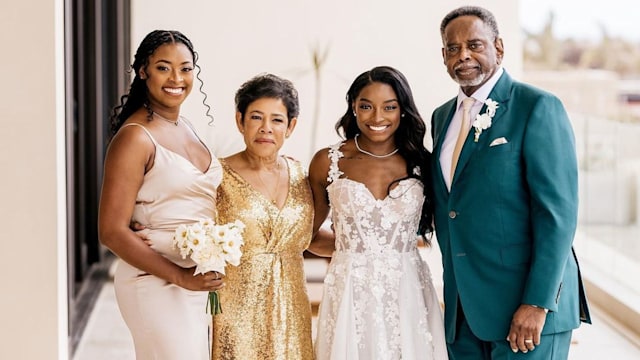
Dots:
pixel 608 236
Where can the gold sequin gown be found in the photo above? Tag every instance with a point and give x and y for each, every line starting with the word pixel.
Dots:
pixel 266 312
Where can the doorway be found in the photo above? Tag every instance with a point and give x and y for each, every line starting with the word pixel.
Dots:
pixel 97 52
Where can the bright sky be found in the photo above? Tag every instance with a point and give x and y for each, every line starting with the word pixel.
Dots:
pixel 582 19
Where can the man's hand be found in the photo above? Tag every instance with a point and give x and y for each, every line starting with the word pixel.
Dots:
pixel 526 326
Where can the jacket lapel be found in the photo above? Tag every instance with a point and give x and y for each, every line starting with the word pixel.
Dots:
pixel 499 93
pixel 439 132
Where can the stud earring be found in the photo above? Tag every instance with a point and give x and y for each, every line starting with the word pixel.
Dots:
pixel 402 115
pixel 354 114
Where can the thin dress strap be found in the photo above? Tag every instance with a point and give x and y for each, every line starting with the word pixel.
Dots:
pixel 190 126
pixel 335 154
pixel 193 130
pixel 153 140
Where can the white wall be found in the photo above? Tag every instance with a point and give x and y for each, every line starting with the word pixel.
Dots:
pixel 33 305
pixel 238 39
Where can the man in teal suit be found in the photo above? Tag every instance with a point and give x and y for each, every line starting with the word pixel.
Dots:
pixel 506 202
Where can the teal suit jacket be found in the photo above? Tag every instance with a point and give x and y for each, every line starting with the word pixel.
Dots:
pixel 506 227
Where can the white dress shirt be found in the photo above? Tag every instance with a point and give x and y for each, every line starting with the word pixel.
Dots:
pixel 480 95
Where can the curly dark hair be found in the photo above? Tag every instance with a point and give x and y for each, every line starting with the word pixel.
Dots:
pixel 268 86
pixel 409 137
pixel 137 96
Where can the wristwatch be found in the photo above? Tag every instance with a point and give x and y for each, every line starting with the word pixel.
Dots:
pixel 545 310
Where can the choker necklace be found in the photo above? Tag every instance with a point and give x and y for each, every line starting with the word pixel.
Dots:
pixel 355 140
pixel 174 122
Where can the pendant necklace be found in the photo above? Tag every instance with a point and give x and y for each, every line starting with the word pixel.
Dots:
pixel 174 122
pixel 272 196
pixel 355 140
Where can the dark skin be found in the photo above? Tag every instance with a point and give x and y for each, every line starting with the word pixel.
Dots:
pixel 472 54
pixel 378 116
pixel 131 154
pixel 264 127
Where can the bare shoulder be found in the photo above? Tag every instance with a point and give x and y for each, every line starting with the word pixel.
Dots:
pixel 235 161
pixel 319 166
pixel 320 159
pixel 131 142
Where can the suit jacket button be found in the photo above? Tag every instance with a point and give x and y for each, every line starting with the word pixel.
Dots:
pixel 452 214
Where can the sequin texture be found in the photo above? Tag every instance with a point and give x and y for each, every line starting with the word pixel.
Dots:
pixel 265 308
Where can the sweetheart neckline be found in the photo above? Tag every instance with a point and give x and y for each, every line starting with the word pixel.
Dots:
pixel 368 191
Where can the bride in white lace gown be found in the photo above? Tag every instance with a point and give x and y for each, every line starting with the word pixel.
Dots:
pixel 379 301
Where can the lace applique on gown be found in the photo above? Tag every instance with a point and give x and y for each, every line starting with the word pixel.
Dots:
pixel 379 301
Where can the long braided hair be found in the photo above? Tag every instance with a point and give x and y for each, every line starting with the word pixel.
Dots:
pixel 408 137
pixel 137 96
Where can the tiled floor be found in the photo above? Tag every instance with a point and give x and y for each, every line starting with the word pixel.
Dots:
pixel 106 336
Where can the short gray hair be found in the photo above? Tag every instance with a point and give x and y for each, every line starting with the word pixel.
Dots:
pixel 483 14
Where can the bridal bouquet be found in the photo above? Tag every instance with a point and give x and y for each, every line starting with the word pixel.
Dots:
pixel 211 247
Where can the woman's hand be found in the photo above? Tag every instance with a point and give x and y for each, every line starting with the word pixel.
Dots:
pixel 323 243
pixel 138 229
pixel 209 281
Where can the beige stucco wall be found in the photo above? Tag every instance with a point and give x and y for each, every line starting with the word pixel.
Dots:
pixel 33 275
pixel 238 39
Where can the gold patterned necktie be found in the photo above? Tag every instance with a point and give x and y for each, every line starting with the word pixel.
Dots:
pixel 462 135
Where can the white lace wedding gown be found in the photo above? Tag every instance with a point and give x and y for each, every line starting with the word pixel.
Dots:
pixel 379 301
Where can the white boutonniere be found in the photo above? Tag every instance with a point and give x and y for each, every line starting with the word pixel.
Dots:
pixel 483 121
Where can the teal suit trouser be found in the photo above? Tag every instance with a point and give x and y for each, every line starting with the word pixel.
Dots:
pixel 468 347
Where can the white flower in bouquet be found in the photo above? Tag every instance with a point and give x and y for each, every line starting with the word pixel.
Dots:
pixel 231 247
pixel 211 247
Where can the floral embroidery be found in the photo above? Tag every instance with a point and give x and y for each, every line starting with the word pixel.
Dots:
pixel 334 155
pixel 373 265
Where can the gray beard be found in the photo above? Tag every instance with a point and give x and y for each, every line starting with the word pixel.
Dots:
pixel 473 82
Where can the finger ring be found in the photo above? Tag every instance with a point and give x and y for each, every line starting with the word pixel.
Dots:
pixel 218 278
pixel 528 341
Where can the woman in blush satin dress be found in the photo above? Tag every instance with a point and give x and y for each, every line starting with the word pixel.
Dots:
pixel 160 174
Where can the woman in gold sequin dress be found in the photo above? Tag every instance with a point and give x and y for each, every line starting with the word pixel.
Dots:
pixel 265 308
